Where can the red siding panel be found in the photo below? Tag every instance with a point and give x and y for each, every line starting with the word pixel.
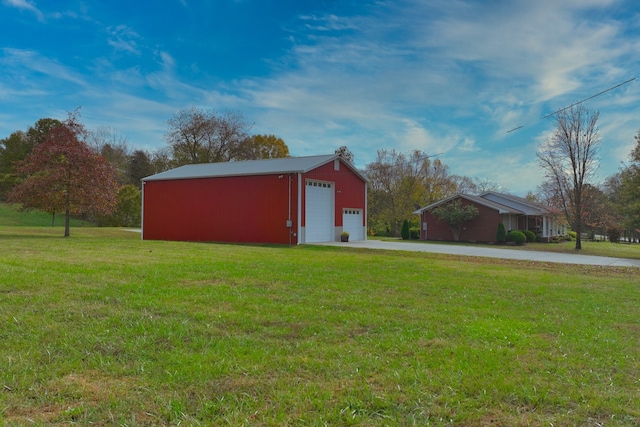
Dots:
pixel 252 209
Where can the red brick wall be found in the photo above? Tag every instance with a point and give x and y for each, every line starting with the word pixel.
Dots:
pixel 481 229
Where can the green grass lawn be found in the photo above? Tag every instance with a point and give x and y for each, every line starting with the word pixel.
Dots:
pixel 105 329
pixel 10 215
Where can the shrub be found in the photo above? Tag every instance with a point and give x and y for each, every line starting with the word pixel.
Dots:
pixel 573 234
pixel 405 230
pixel 501 234
pixel 530 235
pixel 517 237
pixel 614 235
pixel 414 232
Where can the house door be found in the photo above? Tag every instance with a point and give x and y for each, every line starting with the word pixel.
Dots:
pixel 319 202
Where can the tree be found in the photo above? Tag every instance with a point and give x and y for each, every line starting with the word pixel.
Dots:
pixel 405 233
pixel 345 153
pixel 625 190
pixel 113 146
pixel 62 174
pixel 16 147
pixel 501 233
pixel 569 158
pixel 257 147
pixel 139 166
pixel 199 136
pixel 128 212
pixel 455 215
pixel 12 149
pixel 399 184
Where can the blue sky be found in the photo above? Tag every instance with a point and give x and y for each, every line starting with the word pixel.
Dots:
pixel 448 77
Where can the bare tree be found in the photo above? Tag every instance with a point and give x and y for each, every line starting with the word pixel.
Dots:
pixel 570 158
pixel 199 136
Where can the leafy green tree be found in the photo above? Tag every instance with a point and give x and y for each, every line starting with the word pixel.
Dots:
pixel 16 147
pixel 128 212
pixel 62 174
pixel 12 149
pixel 455 215
pixel 405 233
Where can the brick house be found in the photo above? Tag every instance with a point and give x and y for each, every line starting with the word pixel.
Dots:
pixel 516 213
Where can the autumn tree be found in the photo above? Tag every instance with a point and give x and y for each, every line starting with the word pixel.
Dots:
pixel 569 159
pixel 455 215
pixel 400 183
pixel 202 136
pixel 628 189
pixel 257 147
pixel 62 174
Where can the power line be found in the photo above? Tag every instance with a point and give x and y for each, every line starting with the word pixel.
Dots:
pixel 577 103
pixel 591 97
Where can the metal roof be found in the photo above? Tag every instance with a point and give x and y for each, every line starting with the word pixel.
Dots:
pixel 250 167
pixel 476 199
pixel 529 207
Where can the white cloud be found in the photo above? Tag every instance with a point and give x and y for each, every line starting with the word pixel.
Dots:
pixel 123 38
pixel 25 5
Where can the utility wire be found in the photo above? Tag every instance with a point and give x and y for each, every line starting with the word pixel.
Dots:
pixel 576 103
pixel 591 97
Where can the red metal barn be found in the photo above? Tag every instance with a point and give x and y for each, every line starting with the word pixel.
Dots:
pixel 291 200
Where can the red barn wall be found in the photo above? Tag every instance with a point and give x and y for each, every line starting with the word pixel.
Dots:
pixel 481 229
pixel 350 189
pixel 251 209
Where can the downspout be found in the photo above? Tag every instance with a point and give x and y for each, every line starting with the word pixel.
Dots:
pixel 142 213
pixel 299 208
pixel 289 214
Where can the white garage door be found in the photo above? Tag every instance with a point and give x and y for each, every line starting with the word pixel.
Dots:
pixel 352 223
pixel 319 224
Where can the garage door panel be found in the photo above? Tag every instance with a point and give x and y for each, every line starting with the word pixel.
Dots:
pixel 319 201
pixel 352 223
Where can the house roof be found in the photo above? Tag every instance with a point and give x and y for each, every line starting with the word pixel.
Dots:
pixel 475 199
pixel 251 167
pixel 529 207
pixel 508 204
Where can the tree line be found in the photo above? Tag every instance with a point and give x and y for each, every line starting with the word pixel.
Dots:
pixel 60 167
pixel 34 162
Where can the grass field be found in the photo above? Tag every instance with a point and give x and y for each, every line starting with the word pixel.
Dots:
pixel 10 215
pixel 105 329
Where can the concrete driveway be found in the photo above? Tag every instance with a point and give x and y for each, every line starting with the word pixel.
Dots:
pixel 471 250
